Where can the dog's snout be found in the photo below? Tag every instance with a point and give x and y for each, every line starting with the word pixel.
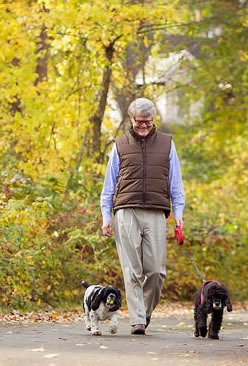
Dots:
pixel 217 303
pixel 111 300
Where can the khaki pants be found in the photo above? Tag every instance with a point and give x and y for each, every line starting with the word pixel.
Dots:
pixel 140 236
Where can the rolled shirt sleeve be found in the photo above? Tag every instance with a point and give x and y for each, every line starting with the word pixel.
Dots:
pixel 112 174
pixel 176 183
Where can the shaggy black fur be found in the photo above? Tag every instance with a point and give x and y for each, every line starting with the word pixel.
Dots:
pixel 215 298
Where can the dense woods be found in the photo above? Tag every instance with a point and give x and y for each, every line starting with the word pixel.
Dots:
pixel 66 68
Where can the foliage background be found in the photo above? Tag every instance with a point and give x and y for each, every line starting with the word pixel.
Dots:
pixel 62 64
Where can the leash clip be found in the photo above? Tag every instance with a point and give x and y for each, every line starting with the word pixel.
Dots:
pixel 179 234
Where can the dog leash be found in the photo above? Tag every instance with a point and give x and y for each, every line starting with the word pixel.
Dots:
pixel 205 282
pixel 180 241
pixel 197 270
pixel 179 234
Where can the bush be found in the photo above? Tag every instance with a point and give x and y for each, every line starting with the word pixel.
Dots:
pixel 51 241
pixel 48 247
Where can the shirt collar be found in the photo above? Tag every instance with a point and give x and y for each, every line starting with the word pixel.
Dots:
pixel 138 137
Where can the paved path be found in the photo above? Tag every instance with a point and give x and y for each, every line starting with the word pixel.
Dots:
pixel 168 342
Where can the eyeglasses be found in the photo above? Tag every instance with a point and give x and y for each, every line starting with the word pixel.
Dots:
pixel 140 122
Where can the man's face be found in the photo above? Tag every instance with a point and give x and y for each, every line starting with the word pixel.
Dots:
pixel 142 125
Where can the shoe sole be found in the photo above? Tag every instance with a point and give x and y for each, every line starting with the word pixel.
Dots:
pixel 138 331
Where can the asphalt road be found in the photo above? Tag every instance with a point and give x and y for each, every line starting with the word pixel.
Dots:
pixel 168 342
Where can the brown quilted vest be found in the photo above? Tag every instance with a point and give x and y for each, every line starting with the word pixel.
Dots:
pixel 144 171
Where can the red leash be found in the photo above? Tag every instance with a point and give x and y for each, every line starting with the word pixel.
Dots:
pixel 179 234
pixel 180 240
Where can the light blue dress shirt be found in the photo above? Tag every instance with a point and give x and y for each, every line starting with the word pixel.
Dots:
pixel 111 177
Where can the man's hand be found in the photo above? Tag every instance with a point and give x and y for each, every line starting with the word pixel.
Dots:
pixel 107 228
pixel 179 221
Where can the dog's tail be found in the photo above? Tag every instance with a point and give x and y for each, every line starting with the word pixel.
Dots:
pixel 85 284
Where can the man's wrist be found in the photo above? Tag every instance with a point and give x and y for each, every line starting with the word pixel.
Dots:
pixel 107 218
pixel 178 214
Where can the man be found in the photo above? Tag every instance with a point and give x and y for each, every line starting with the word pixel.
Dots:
pixel 143 174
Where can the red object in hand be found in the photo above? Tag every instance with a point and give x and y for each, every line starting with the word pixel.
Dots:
pixel 179 234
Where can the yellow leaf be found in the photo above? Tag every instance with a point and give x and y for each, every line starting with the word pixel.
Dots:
pixel 146 44
pixel 182 324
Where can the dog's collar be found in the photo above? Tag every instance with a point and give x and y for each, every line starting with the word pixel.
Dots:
pixel 203 286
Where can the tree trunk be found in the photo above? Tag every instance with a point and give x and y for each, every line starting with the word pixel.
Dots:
pixel 41 67
pixel 97 118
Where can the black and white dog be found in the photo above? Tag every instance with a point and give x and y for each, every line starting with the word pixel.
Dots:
pixel 210 298
pixel 101 303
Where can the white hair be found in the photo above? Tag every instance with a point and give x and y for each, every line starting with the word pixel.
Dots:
pixel 142 105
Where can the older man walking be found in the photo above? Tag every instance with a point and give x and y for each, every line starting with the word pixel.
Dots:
pixel 142 178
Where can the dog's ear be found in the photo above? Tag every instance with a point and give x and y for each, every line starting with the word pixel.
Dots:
pixel 96 301
pixel 208 303
pixel 228 304
pixel 119 298
pixel 227 301
pixel 105 292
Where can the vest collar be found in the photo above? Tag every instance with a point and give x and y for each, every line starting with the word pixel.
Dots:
pixel 138 137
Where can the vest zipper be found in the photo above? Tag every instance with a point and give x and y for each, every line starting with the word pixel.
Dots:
pixel 143 146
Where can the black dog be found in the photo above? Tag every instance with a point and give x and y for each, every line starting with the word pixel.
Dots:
pixel 210 298
pixel 101 303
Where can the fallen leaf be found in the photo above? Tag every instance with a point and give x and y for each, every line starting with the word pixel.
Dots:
pixel 51 355
pixel 40 349
pixel 182 324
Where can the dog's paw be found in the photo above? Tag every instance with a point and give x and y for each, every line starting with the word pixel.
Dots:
pixel 213 336
pixel 196 334
pixel 203 332
pixel 113 330
pixel 96 333
pixel 88 328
